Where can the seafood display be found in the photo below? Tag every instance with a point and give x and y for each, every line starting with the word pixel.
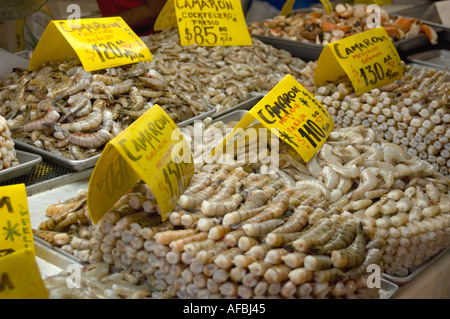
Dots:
pixel 223 76
pixel 321 28
pixel 8 156
pixel 305 230
pixel 412 112
pixel 72 113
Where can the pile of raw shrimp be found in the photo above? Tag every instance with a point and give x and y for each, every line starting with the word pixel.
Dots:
pixel 306 230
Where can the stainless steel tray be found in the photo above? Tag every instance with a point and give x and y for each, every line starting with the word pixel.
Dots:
pixel 433 58
pixel 299 49
pixel 39 197
pixel 76 165
pixel 53 255
pixel 311 51
pixel 246 105
pixel 388 289
pixel 26 163
pixel 233 116
pixel 404 280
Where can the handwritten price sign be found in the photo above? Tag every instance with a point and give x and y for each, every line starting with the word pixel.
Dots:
pixel 206 23
pixel 369 59
pixel 145 150
pixel 15 225
pixel 294 115
pixel 99 43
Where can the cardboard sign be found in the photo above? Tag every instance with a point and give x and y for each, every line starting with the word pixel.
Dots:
pixel 20 277
pixel 293 114
pixel 99 43
pixel 167 17
pixel 206 23
pixel 15 224
pixel 145 150
pixel 369 59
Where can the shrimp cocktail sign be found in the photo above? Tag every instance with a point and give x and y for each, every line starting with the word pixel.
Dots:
pixel 19 275
pixel 369 59
pixel 206 22
pixel 293 114
pixel 99 43
pixel 147 151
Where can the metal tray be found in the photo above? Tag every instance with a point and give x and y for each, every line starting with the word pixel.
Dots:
pixel 233 116
pixel 388 289
pixel 433 58
pixel 39 197
pixel 404 280
pixel 311 51
pixel 26 163
pixel 246 105
pixel 76 165
pixel 52 260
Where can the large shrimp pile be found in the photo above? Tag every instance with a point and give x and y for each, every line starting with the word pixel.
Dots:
pixel 346 20
pixel 412 112
pixel 7 151
pixel 73 113
pixel 223 76
pixel 308 230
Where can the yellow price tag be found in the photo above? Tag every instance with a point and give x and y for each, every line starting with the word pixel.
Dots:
pixel 99 43
pixel 292 113
pixel 369 59
pixel 167 17
pixel 327 5
pixel 15 224
pixel 20 277
pixel 286 10
pixel 152 149
pixel 211 23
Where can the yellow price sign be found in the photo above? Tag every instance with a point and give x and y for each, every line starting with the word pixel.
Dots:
pixel 166 18
pixel 369 59
pixel 292 113
pixel 211 23
pixel 327 5
pixel 286 10
pixel 20 277
pixel 152 149
pixel 15 224
pixel 99 43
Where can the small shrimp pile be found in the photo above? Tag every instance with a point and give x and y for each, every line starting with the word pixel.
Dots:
pixel 7 151
pixel 223 76
pixel 95 283
pixel 346 20
pixel 68 226
pixel 412 112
